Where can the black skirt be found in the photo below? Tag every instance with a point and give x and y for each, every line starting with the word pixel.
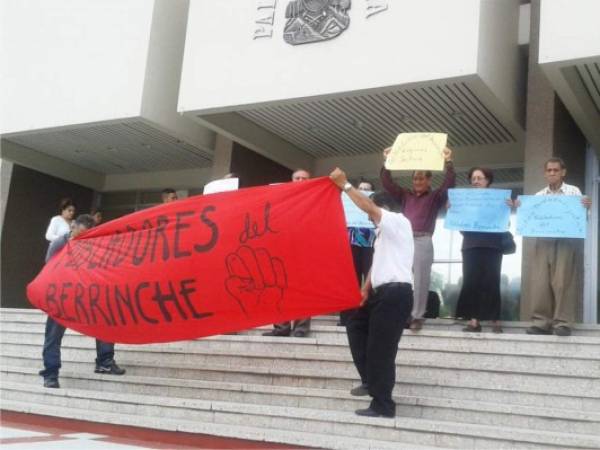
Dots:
pixel 480 293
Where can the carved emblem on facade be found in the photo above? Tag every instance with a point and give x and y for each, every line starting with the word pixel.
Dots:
pixel 315 20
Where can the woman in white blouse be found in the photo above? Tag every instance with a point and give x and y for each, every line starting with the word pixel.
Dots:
pixel 61 224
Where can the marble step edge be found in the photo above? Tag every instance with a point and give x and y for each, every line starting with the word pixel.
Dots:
pixel 564 390
pixel 303 414
pixel 446 361
pixel 335 339
pixel 430 329
pixel 316 440
pixel 553 351
pixel 334 318
pixel 334 394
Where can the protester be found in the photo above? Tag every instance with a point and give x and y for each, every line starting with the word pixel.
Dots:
pixel 300 327
pixel 168 195
pixel 421 206
pixel 97 215
pixel 361 244
pixel 54 333
pixel 61 224
pixel 387 299
pixel 479 297
pixel 554 289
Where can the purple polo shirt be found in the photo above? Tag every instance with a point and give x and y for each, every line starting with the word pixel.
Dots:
pixel 421 210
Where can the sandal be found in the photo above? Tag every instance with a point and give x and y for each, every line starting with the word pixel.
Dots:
pixel 472 329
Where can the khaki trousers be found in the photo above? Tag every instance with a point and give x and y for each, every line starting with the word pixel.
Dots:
pixel 555 284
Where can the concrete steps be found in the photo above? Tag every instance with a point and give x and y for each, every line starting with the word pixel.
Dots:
pixel 453 390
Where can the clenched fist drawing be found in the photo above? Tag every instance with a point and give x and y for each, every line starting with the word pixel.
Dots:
pixel 256 279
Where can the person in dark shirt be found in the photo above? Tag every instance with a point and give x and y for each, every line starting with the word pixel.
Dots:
pixel 421 205
pixel 105 351
pixel 479 297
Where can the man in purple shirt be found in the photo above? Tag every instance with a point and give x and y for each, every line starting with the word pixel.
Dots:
pixel 421 205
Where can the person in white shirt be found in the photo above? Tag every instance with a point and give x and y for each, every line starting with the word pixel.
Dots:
pixel 374 331
pixel 61 224
pixel 555 286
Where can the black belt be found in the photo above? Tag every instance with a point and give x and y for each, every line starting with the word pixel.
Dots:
pixel 386 286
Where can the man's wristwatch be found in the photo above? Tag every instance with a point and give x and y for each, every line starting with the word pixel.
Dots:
pixel 347 186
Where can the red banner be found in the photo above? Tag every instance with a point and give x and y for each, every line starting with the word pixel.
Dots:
pixel 205 265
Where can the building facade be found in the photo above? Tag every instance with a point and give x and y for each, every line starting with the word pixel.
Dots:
pixel 111 101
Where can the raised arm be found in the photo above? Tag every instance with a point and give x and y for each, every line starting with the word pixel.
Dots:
pixel 362 201
pixel 449 179
pixel 395 190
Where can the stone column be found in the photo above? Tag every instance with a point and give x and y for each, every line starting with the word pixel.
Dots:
pixel 550 131
pixel 5 177
pixel 222 159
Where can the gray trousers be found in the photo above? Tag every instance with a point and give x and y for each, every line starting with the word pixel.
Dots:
pixel 422 263
pixel 555 286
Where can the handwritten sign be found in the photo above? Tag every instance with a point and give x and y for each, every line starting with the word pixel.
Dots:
pixel 355 217
pixel 224 185
pixel 417 151
pixel 557 216
pixel 204 265
pixel 483 210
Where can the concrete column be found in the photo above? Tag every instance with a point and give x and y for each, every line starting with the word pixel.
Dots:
pixel 550 131
pixel 222 158
pixel 6 168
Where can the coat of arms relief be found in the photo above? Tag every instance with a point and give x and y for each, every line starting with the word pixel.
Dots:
pixel 315 20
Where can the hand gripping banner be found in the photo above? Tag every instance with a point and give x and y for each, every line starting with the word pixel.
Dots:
pixel 205 265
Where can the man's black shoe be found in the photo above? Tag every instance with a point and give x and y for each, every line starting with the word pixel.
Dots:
pixel 562 330
pixel 368 412
pixel 275 333
pixel 112 369
pixel 51 383
pixel 299 333
pixel 537 330
pixel 360 391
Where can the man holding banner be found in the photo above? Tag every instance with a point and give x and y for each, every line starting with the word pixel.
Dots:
pixel 300 327
pixel 554 289
pixel 376 328
pixel 421 206
pixel 105 351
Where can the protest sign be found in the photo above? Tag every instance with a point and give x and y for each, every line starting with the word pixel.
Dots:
pixel 205 265
pixel 483 210
pixel 557 216
pixel 223 185
pixel 417 151
pixel 356 217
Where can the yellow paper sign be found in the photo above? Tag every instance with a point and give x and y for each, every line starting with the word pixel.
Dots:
pixel 417 151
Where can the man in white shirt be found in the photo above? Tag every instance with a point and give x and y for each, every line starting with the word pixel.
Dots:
pixel 555 289
pixel 374 331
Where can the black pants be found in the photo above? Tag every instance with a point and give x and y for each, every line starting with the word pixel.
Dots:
pixel 363 258
pixel 374 332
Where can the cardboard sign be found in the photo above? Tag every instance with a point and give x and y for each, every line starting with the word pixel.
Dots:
pixel 356 217
pixel 224 185
pixel 205 265
pixel 417 151
pixel 483 210
pixel 553 216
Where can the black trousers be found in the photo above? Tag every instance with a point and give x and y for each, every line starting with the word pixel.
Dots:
pixel 363 258
pixel 374 332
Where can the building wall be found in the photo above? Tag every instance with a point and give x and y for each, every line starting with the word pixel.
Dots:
pixel 33 199
pixel 71 61
pixel 385 49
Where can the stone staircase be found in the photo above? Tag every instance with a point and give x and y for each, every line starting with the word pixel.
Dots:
pixel 453 390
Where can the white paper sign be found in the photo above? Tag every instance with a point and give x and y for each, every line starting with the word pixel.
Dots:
pixel 228 184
